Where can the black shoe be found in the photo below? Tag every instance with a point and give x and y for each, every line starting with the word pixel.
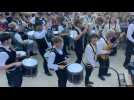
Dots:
pixel 108 74
pixel 89 82
pixel 125 66
pixel 88 85
pixel 48 74
pixel 102 78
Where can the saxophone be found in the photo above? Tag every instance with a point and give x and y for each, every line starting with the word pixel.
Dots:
pixel 107 47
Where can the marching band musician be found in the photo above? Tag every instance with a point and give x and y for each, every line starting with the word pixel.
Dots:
pixel 114 26
pixel 104 47
pixel 42 43
pixel 8 61
pixel 89 58
pixel 20 38
pixel 21 41
pixel 56 56
pixel 79 39
pixel 130 43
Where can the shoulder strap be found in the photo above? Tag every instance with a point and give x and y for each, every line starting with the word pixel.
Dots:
pixel 77 30
pixel 93 50
pixel 115 27
pixel 105 40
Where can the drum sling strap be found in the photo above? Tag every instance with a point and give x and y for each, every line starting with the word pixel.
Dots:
pixel 94 56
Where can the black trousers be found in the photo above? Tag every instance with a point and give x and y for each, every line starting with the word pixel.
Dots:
pixel 104 65
pixel 89 70
pixel 15 77
pixel 42 46
pixel 62 77
pixel 129 52
pixel 79 52
pixel 66 44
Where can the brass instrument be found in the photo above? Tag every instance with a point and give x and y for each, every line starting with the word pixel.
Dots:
pixel 106 56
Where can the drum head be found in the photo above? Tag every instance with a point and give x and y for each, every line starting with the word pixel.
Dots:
pixel 21 53
pixel 75 68
pixel 29 62
pixel 30 33
pixel 55 32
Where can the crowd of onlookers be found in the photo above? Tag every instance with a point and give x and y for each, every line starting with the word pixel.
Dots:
pixel 96 22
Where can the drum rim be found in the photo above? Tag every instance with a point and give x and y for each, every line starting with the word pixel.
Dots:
pixel 75 71
pixel 28 33
pixel 20 52
pixel 23 62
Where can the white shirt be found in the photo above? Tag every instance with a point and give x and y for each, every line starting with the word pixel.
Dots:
pixel 39 34
pixel 60 29
pixel 130 32
pixel 101 44
pixel 112 28
pixel 3 58
pixel 51 60
pixel 32 20
pixel 90 55
pixel 18 38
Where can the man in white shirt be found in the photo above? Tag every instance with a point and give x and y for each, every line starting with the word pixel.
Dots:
pixel 8 62
pixel 19 39
pixel 130 43
pixel 103 51
pixel 89 59
pixel 42 43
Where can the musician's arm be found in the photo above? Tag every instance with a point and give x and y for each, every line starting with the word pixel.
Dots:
pixel 81 34
pixel 100 48
pixel 18 38
pixel 51 60
pixel 130 32
pixel 3 59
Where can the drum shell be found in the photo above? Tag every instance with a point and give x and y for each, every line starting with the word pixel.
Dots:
pixel 21 58
pixel 75 78
pixel 29 71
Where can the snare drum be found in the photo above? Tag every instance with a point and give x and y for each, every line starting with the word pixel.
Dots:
pixel 21 55
pixel 30 67
pixel 56 32
pixel 75 73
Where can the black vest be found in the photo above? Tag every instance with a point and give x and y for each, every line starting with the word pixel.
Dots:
pixel 79 43
pixel 58 58
pixel 55 27
pixel 11 54
pixel 23 35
